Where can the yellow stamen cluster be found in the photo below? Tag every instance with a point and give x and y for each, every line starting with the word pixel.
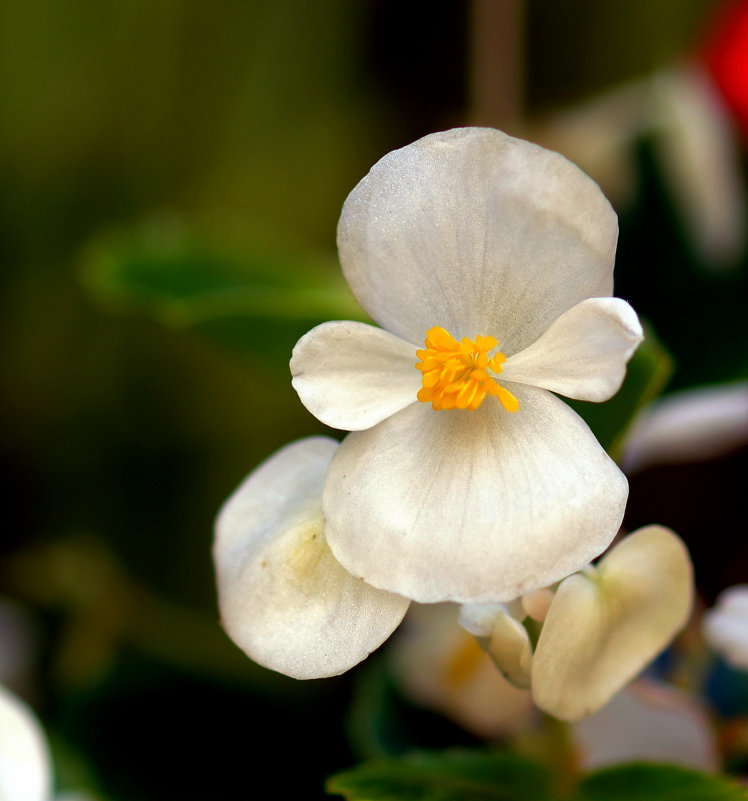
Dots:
pixel 455 373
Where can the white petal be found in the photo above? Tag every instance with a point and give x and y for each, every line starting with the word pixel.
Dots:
pixel 284 599
pixel 725 626
pixel 469 506
pixel 583 354
pixel 352 375
pixel 605 626
pixel 479 233
pixel 648 721
pixel 441 667
pixel 25 769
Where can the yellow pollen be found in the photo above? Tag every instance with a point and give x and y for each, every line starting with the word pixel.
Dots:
pixel 456 375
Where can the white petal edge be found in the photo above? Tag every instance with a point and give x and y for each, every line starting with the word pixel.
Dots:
pixel 477 232
pixel 583 354
pixel 352 376
pixel 473 506
pixel 604 626
pixel 25 765
pixel 284 599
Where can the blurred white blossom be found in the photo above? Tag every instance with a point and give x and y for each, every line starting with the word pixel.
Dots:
pixel 688 426
pixel 648 721
pixel 725 626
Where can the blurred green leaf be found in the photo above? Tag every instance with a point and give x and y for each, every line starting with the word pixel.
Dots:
pixel 259 300
pixel 447 776
pixel 649 782
pixel 648 373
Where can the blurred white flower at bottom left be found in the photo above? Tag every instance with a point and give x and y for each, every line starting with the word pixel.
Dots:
pixel 25 765
pixel 284 598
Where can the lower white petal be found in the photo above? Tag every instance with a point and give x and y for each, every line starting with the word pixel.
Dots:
pixel 479 505
pixel 584 352
pixel 25 768
pixel 604 626
pixel 352 375
pixel 283 597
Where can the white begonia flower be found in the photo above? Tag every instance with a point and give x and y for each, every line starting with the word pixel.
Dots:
pixel 725 626
pixel 467 479
pixel 25 764
pixel 601 628
pixel 284 599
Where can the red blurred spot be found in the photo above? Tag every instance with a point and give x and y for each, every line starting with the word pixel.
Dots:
pixel 726 57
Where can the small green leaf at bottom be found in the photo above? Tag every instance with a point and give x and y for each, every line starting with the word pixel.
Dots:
pixel 444 776
pixel 650 782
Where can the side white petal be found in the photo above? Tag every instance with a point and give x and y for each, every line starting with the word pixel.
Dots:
pixel 283 597
pixel 479 233
pixel 648 721
pixel 604 626
pixel 25 767
pixel 583 354
pixel 352 376
pixel 725 626
pixel 472 506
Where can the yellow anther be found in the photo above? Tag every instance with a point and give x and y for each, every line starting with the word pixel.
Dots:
pixel 455 374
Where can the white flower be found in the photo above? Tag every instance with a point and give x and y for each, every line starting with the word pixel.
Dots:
pixel 603 625
pixel 725 626
pixel 284 599
pixel 467 479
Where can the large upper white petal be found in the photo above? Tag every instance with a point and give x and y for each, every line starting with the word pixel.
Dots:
pixel 25 765
pixel 479 233
pixel 478 505
pixel 352 375
pixel 583 354
pixel 603 627
pixel 283 597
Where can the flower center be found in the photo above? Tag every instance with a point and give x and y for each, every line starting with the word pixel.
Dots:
pixel 455 374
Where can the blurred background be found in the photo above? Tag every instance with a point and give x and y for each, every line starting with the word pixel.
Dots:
pixel 172 176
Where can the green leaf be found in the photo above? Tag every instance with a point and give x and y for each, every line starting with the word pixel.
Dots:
pixel 446 776
pixel 650 782
pixel 648 372
pixel 259 299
